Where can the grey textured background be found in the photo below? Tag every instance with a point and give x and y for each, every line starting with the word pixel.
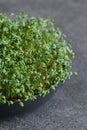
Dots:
pixel 67 108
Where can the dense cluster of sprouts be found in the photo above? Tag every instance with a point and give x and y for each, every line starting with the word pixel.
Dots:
pixel 34 57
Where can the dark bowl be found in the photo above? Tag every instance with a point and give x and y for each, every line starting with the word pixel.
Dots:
pixel 29 106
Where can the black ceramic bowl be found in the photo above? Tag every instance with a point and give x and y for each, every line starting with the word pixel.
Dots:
pixel 29 106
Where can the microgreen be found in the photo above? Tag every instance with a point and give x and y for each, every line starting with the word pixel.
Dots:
pixel 34 57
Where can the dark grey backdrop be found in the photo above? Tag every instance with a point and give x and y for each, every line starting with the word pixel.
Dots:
pixel 67 108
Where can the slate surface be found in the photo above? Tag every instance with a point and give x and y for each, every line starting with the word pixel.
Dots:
pixel 67 108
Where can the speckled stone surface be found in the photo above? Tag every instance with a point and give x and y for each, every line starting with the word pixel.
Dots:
pixel 67 108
